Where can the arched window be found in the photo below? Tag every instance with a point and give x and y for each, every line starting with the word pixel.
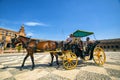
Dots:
pixel 108 47
pixel 112 46
pixel 8 45
pixel 104 46
pixel 117 46
pixel 3 32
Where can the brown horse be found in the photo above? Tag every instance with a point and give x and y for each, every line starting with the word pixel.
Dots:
pixel 31 46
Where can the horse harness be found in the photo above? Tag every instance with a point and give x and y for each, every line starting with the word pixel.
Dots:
pixel 27 44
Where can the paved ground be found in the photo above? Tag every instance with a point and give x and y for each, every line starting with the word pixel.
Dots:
pixel 10 64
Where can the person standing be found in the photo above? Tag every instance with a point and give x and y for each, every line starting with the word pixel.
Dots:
pixel 1 47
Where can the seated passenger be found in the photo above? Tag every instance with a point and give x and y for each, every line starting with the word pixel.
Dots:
pixel 80 45
pixel 88 43
pixel 78 42
pixel 73 40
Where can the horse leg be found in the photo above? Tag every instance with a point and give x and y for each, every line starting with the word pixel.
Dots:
pixel 52 57
pixel 32 59
pixel 56 55
pixel 24 61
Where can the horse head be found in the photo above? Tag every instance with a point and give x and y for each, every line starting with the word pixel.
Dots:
pixel 19 39
pixel 14 41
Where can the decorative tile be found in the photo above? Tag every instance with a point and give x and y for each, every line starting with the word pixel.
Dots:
pixel 5 74
pixel 31 75
pixel 70 74
pixel 95 69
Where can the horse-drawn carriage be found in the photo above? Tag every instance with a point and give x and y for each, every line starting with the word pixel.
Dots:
pixel 69 56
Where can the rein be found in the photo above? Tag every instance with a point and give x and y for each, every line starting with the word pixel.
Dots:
pixel 28 42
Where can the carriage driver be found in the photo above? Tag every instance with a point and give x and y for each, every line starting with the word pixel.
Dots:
pixel 69 39
pixel 68 42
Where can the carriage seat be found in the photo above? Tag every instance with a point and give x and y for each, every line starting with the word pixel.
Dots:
pixel 91 47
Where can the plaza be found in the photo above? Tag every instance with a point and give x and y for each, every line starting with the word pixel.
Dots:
pixel 85 70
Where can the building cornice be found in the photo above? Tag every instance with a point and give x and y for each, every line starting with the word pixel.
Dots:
pixel 8 30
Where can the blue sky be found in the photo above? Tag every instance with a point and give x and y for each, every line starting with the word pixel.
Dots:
pixel 56 19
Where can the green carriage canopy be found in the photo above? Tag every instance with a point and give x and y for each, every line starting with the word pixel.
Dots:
pixel 80 33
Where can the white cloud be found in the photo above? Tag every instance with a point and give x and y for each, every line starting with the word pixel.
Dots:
pixel 35 24
pixel 29 34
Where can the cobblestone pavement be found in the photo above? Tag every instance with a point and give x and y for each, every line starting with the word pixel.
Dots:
pixel 10 64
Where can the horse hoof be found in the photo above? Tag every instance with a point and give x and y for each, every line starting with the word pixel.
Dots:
pixel 57 67
pixel 50 64
pixel 21 69
pixel 31 69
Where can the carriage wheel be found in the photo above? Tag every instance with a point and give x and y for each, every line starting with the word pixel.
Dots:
pixel 70 60
pixel 99 56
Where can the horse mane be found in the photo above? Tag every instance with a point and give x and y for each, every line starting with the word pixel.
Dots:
pixel 24 37
pixel 29 38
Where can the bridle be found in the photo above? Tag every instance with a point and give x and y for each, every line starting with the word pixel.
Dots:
pixel 19 40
